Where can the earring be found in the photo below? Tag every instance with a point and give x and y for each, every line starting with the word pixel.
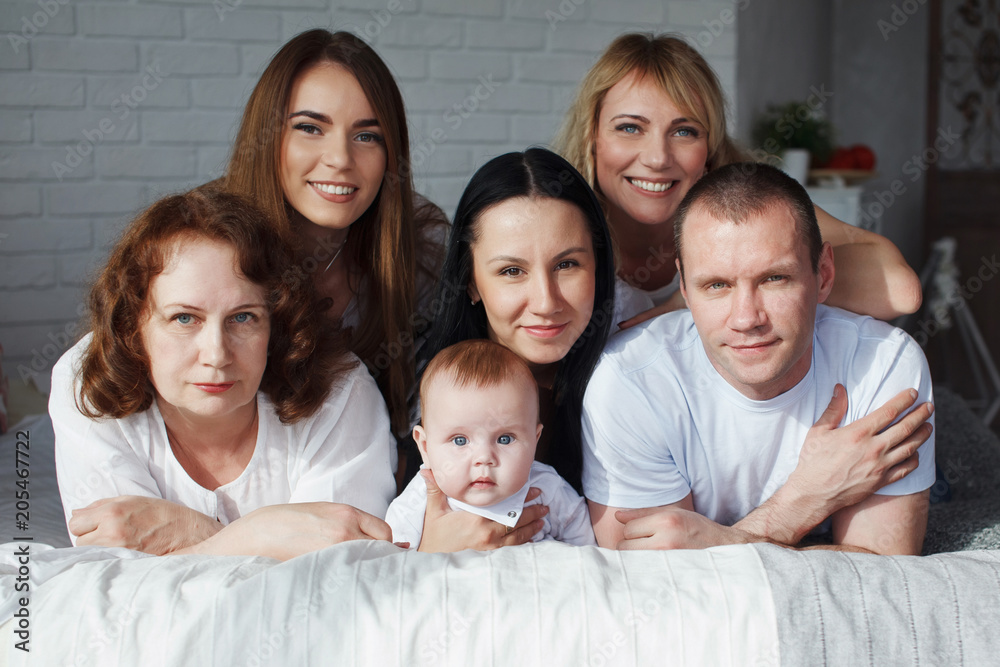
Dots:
pixel 472 301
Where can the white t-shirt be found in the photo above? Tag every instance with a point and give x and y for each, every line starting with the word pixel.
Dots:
pixel 343 453
pixel 629 302
pixel 567 521
pixel 656 296
pixel 659 421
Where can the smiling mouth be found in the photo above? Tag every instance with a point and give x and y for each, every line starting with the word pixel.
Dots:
pixel 333 189
pixel 650 186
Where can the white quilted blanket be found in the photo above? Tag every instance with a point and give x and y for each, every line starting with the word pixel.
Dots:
pixel 365 603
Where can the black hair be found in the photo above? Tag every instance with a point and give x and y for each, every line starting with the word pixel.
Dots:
pixel 536 172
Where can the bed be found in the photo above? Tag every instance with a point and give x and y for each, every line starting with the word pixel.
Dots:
pixel 365 603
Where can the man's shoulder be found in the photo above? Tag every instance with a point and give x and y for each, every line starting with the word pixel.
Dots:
pixel 666 336
pixel 837 326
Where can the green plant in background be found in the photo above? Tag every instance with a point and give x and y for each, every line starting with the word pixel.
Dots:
pixel 794 125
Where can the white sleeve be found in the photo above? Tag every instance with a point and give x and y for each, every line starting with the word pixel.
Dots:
pixel 93 458
pixel 905 369
pixel 406 513
pixel 627 457
pixel 568 513
pixel 348 452
pixel 629 302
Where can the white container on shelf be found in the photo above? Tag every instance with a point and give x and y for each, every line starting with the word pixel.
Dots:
pixel 843 202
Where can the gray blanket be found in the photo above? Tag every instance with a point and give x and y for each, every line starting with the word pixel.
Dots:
pixel 855 609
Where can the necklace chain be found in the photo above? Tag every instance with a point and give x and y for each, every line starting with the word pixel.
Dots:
pixel 335 255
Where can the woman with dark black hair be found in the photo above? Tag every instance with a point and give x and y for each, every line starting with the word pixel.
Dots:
pixel 530 265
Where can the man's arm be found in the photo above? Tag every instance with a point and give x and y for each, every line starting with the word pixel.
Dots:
pixel 840 467
pixel 610 530
pixel 885 525
pixel 673 526
pixel 888 525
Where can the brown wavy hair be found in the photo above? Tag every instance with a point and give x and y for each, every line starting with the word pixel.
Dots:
pixel 681 73
pixel 381 244
pixel 304 357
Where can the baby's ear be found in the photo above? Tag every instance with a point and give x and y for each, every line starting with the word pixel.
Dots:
pixel 421 439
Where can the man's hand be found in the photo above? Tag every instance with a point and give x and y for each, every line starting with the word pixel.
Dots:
pixel 152 525
pixel 840 467
pixel 675 528
pixel 287 531
pixel 446 530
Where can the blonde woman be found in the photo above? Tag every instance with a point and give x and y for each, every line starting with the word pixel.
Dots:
pixel 648 122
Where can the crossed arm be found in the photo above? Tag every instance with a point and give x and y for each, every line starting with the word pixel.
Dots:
pixel 838 472
pixel 159 527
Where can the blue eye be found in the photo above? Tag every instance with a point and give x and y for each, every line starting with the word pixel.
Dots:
pixel 460 440
pixel 242 318
pixel 688 132
pixel 183 318
pixel 505 439
pixel 628 128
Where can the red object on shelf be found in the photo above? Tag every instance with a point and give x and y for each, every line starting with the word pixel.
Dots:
pixel 864 157
pixel 858 156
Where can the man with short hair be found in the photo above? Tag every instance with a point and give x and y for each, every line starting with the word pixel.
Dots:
pixel 711 426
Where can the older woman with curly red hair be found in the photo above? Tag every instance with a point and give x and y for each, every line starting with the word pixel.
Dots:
pixel 209 396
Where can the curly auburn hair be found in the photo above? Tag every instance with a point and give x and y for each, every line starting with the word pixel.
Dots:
pixel 304 357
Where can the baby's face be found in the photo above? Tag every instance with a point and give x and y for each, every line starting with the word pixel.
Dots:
pixel 479 441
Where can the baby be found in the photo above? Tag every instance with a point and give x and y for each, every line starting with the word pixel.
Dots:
pixel 479 429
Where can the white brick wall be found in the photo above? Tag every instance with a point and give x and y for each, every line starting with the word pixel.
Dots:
pixel 137 98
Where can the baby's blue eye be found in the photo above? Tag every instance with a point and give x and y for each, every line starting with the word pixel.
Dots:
pixel 505 439
pixel 460 440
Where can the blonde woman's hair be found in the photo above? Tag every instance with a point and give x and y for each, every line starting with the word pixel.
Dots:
pixel 681 73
